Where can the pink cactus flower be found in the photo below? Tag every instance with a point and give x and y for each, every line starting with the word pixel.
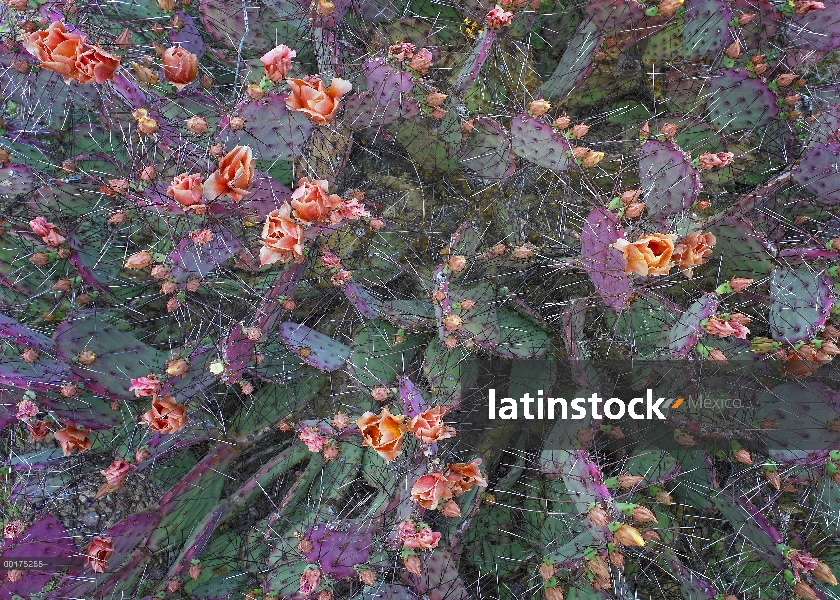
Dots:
pixel 350 210
pixel 401 51
pixel 149 385
pixel 50 234
pixel 330 260
pixel 115 476
pixel 309 580
pixel 314 441
pixel 803 7
pixel 709 161
pixel 12 529
pixel 201 237
pixel 498 17
pixel 343 277
pixel 26 409
pixel 277 62
pixel 720 328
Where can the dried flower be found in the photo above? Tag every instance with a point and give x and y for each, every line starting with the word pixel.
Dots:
pixel 72 438
pixel 98 552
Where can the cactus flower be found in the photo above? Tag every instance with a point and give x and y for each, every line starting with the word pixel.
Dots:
pixel 803 7
pixel 367 576
pixel 669 131
pixel 418 537
pixel 140 260
pixel 413 564
pixel 165 416
pixel 312 201
pixel 313 440
pixel 649 255
pixel 546 570
pixel 667 8
pixel 590 159
pixel 739 284
pixel 580 130
pixel 180 66
pixel 26 409
pixel 115 476
pixel 429 490
pixel 39 259
pixel 539 107
pixel 428 426
pixel 383 433
pixel 69 55
pixel 233 177
pixel 145 386
pixel 12 529
pixel 598 516
pixel 463 476
pixel 50 234
pixel 72 438
pixel 318 103
pixel 733 51
pixel 277 62
pixel 498 17
pixel 282 237
pixel 803 590
pixel 98 552
pixel 823 572
pixel 553 593
pixel 196 125
pixel 692 251
pixel 401 51
pixel 743 456
pixel 709 161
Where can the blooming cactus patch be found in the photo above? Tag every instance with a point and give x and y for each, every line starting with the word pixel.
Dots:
pixel 320 299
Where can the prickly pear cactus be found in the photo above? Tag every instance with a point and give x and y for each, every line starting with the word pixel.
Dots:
pixel 275 276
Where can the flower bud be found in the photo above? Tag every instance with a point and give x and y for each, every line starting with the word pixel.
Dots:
pixel 823 572
pixel 196 125
pixel 743 456
pixel 538 108
pixel 628 481
pixel 580 130
pixel 562 123
pixel 733 51
pixel 139 260
pixel 745 19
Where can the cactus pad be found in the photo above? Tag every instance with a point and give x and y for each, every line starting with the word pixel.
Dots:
pixel 670 182
pixel 685 334
pixel 604 264
pixel 538 143
pixel 339 550
pixel 735 101
pixel 575 65
pixel 486 150
pixel 313 347
pixel 120 357
pixel 706 30
pixel 800 303
pixel 271 130
pixel 817 172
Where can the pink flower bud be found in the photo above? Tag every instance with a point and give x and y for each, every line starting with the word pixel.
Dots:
pixel 196 125
pixel 140 260
pixel 538 108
